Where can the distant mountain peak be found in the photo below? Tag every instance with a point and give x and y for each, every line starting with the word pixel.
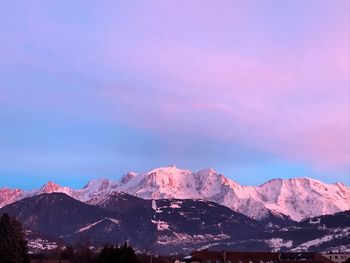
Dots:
pixel 127 177
pixel 50 187
pixel 170 170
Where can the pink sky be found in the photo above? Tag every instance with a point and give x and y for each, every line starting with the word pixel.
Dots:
pixel 251 84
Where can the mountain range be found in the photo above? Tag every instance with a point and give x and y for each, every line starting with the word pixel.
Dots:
pixel 166 226
pixel 296 198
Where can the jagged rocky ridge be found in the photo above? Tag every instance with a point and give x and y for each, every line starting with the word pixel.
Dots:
pixel 297 198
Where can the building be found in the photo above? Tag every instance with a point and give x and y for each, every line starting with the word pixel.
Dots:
pixel 337 257
pixel 205 256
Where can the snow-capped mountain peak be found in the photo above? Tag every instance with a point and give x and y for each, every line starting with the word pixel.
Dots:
pixel 95 188
pixel 50 187
pixel 297 197
pixel 304 197
pixel 163 182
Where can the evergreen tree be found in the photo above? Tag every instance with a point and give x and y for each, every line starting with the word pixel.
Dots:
pixel 127 254
pixel 122 254
pixel 84 255
pixel 20 240
pixel 107 254
pixel 13 246
pixel 67 253
pixel 83 252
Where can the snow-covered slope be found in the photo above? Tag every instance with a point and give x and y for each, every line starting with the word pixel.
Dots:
pixel 304 197
pixel 298 197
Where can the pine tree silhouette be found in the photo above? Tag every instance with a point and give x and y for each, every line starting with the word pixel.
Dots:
pixel 13 246
pixel 122 254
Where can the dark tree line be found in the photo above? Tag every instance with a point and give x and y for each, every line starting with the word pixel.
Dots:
pixel 81 254
pixel 109 253
pixel 121 254
pixel 13 245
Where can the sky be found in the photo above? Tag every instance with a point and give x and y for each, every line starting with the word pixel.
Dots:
pixel 254 89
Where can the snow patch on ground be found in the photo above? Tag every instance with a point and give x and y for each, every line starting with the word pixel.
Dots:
pixel 315 221
pixel 35 245
pixel 154 205
pixel 96 223
pixel 115 221
pixel 343 248
pixel 277 243
pixel 179 238
pixel 314 242
pixel 161 225
pixel 176 204
pixel 88 226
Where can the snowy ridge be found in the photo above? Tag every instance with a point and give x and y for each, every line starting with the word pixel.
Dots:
pixel 115 221
pixel 298 198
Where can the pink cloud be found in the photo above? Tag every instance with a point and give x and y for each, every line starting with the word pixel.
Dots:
pixel 291 99
pixel 294 104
